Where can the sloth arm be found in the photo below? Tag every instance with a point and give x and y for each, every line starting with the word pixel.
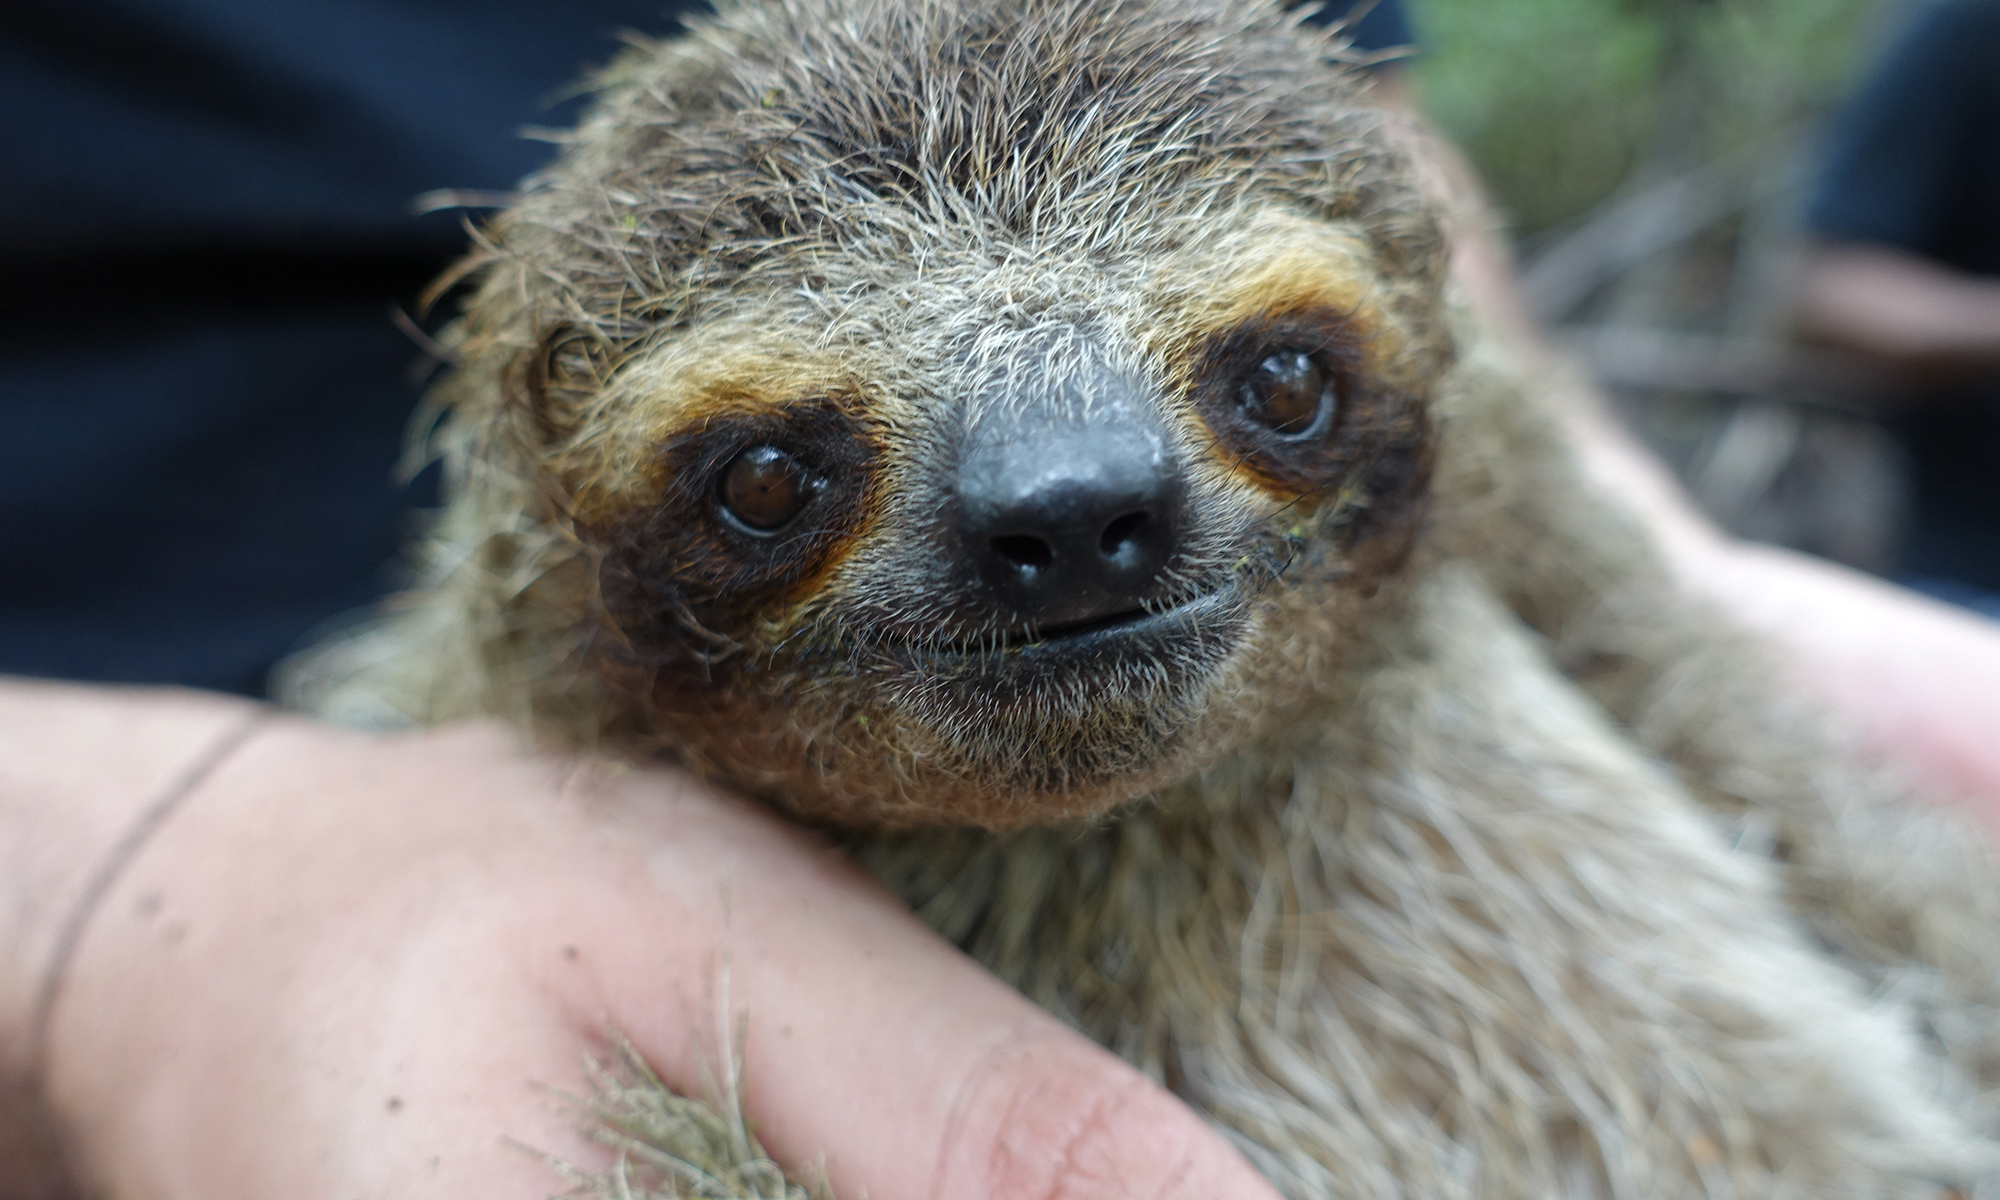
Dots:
pixel 1916 681
pixel 354 965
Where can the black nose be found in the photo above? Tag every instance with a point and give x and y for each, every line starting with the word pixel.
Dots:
pixel 1066 517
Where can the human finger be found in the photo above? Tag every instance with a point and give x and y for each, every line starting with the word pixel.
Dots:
pixel 870 1047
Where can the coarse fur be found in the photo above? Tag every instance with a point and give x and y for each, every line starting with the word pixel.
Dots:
pixel 1419 835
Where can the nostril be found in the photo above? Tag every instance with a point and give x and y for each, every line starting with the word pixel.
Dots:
pixel 1120 532
pixel 1031 553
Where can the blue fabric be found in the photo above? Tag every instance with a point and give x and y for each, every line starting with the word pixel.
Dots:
pixel 204 224
pixel 1986 604
pixel 1381 25
pixel 1913 163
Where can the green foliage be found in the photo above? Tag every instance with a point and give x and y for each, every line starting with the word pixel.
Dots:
pixel 1559 101
pixel 1550 98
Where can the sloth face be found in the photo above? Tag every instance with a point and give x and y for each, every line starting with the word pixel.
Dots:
pixel 994 478
pixel 1044 544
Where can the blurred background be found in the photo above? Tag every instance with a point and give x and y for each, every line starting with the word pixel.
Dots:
pixel 1652 161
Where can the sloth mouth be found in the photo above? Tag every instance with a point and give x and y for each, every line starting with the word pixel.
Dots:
pixel 1130 617
pixel 1128 627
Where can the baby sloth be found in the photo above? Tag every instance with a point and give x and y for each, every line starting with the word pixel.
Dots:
pixel 1028 438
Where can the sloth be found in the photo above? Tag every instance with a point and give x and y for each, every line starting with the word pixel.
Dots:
pixel 1032 441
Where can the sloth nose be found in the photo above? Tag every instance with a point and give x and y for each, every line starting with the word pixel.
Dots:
pixel 1068 520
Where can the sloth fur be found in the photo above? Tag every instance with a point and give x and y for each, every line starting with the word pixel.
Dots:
pixel 1433 847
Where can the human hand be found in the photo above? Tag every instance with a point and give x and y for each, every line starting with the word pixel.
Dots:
pixel 1914 681
pixel 351 965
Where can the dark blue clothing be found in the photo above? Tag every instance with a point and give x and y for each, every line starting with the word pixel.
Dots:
pixel 1914 163
pixel 205 222
pixel 1382 26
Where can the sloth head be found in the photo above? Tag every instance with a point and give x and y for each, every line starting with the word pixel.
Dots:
pixel 950 410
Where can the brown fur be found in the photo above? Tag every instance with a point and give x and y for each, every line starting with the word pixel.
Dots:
pixel 1432 855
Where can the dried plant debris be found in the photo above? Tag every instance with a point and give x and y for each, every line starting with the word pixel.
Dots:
pixel 670 1147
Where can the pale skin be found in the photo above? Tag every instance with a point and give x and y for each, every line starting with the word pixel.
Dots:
pixel 354 965
pixel 1909 315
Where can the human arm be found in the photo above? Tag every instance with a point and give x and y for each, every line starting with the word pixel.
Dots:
pixel 67 800
pixel 1911 315
pixel 360 965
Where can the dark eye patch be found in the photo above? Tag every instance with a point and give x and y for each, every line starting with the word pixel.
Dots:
pixel 754 505
pixel 1286 397
pixel 1290 393
pixel 765 488
pixel 1288 400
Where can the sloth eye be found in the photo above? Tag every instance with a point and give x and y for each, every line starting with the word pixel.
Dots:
pixel 1289 393
pixel 763 489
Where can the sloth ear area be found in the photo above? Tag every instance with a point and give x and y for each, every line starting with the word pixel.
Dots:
pixel 553 381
